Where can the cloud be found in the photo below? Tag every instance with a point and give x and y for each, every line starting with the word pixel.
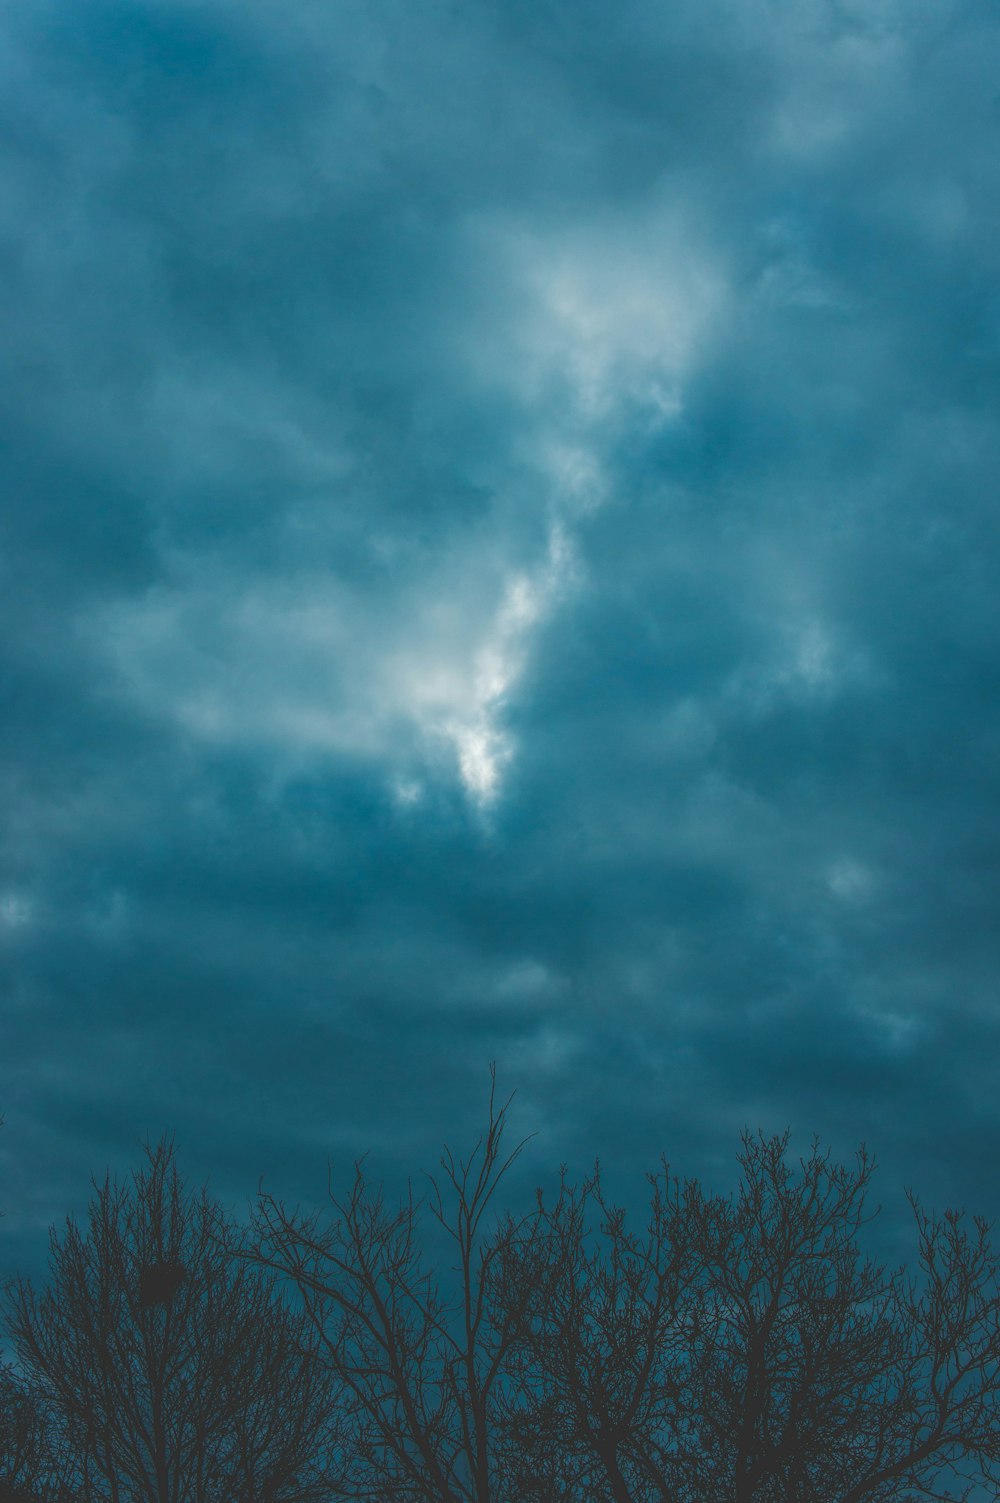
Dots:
pixel 302 667
pixel 498 562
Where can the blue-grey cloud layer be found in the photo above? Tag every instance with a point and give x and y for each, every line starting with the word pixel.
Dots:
pixel 499 546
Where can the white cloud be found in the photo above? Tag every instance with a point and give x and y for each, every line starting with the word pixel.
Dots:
pixel 417 674
pixel 470 710
pixel 609 313
pixel 310 666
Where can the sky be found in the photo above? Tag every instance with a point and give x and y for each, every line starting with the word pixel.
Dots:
pixel 498 559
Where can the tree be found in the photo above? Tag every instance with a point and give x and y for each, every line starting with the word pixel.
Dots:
pixel 422 1363
pixel 605 1356
pixel 30 1452
pixel 179 1373
pixel 744 1348
pixel 35 1465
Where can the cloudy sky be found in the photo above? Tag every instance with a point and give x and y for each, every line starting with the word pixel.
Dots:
pixel 498 554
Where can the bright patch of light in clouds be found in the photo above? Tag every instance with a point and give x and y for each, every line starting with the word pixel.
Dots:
pixel 311 670
pixel 600 320
pixel 475 726
pixel 619 314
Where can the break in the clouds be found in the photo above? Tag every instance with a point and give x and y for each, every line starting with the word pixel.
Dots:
pixel 499 543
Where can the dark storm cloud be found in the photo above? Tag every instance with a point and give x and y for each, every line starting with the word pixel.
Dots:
pixel 498 558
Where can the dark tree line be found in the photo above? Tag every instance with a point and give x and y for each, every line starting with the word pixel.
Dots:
pixel 744 1349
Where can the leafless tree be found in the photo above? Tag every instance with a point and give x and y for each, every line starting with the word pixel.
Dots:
pixel 35 1460
pixel 738 1348
pixel 605 1359
pixel 179 1373
pixel 744 1348
pixel 424 1361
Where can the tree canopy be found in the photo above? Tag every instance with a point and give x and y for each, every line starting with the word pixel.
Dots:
pixel 178 1371
pixel 446 1349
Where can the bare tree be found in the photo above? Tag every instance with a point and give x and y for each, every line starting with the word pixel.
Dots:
pixel 33 1463
pixel 423 1362
pixel 742 1349
pixel 605 1358
pixel 35 1459
pixel 746 1349
pixel 180 1374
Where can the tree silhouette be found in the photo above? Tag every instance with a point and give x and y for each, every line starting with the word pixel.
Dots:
pixel 744 1348
pixel 180 1374
pixel 422 1361
pixel 741 1348
pixel 35 1464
